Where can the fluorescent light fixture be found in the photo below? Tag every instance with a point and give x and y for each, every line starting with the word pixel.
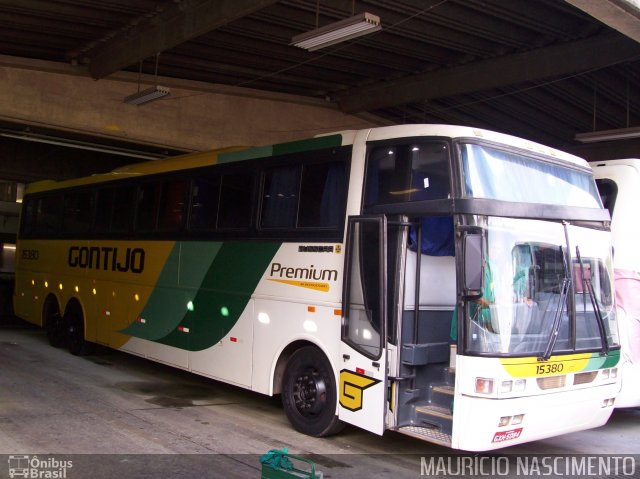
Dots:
pixel 337 32
pixel 607 135
pixel 145 96
pixel 81 145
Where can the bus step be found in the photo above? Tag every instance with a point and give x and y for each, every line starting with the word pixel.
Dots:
pixel 444 389
pixel 436 411
pixel 429 434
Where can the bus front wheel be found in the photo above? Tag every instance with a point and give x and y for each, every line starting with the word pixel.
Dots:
pixel 309 393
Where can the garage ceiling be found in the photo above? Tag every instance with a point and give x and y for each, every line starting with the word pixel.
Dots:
pixel 540 69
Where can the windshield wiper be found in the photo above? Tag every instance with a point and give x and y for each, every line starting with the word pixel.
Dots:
pixel 564 293
pixel 588 285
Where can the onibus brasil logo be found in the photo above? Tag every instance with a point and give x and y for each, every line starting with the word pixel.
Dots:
pixel 35 468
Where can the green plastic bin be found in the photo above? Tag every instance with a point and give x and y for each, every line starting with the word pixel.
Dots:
pixel 281 465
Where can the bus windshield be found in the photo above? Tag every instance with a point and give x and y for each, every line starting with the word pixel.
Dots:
pixel 528 180
pixel 526 295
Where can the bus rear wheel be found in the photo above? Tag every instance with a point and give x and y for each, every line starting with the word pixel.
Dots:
pixel 74 328
pixel 309 393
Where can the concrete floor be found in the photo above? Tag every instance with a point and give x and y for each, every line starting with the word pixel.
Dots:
pixel 116 415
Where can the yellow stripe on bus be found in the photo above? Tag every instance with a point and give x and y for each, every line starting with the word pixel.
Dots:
pixel 531 367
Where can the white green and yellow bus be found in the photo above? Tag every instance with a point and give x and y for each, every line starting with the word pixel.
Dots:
pixel 619 184
pixel 449 283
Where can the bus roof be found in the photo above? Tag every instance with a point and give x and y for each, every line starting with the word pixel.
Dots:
pixel 455 131
pixel 329 140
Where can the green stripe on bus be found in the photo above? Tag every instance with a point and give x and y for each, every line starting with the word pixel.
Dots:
pixel 602 362
pixel 612 359
pixel 249 154
pixel 331 141
pixel 183 272
pixel 223 296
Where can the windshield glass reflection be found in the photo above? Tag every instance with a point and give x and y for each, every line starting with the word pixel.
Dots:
pixel 525 296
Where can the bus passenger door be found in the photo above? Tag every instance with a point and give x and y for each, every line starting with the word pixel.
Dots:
pixel 362 390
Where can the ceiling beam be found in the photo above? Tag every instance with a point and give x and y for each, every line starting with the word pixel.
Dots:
pixel 621 15
pixel 175 25
pixel 536 65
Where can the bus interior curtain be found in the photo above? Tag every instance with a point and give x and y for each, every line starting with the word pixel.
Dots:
pixel 437 236
pixel 333 196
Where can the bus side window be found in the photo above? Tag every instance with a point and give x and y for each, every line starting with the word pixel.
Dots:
pixel 205 196
pixel 104 205
pixel 29 216
pixel 407 172
pixel 608 190
pixel 280 197
pixel 123 208
pixel 236 197
pixel 49 214
pixel 147 206
pixel 173 205
pixel 76 218
pixel 322 195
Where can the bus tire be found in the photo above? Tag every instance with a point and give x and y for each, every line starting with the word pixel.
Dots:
pixel 309 394
pixel 53 323
pixel 74 328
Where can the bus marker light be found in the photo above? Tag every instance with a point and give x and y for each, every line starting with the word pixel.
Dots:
pixel 233 340
pixel 33 282
pixel 77 289
pixel 107 312
pixel 504 421
pixel 190 306
pixel 337 312
pixel 517 419
pixel 224 311
pixel 484 386
pixel 359 371
pixel 311 309
pixel 264 318
pixel 182 329
pixel 136 297
pixel 60 286
pixel 35 297
pixel 141 320
pixel 46 284
pixel 94 291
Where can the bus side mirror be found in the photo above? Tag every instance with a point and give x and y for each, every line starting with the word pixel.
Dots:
pixel 472 244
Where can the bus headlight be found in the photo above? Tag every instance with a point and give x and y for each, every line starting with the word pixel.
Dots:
pixel 484 386
pixel 614 373
pixel 516 386
pixel 605 374
pixel 517 419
